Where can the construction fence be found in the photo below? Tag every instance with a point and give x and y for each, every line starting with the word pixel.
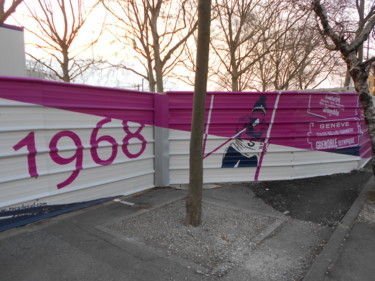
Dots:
pixel 64 143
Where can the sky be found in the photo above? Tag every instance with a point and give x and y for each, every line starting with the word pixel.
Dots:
pixel 107 47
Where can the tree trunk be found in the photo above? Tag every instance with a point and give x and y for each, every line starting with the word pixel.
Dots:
pixel 156 47
pixel 150 75
pixel 235 86
pixel 194 197
pixel 65 66
pixel 234 72
pixel 361 12
pixel 358 70
pixel 360 75
pixel 347 79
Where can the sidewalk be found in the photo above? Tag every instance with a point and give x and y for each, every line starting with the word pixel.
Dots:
pixel 143 238
pixel 350 253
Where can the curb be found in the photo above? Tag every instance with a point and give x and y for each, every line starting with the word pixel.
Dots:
pixel 331 250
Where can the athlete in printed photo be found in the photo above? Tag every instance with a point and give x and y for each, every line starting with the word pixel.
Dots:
pixel 245 148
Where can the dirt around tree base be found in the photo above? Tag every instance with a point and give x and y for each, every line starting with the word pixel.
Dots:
pixel 221 241
pixel 324 200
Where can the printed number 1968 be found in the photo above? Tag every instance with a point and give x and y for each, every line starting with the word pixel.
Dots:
pixel 29 143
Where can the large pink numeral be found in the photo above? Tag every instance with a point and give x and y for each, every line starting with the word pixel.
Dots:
pixel 94 143
pixel 78 155
pixel 130 135
pixel 29 142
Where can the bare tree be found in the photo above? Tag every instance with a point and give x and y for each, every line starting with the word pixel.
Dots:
pixel 188 63
pixel 297 60
pixel 267 45
pixel 194 198
pixel 246 33
pixel 315 68
pixel 238 30
pixel 348 42
pixel 157 31
pixel 6 12
pixel 58 25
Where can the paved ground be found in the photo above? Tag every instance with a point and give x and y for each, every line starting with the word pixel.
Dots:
pixel 249 232
pixel 356 256
pixel 356 260
pixel 349 254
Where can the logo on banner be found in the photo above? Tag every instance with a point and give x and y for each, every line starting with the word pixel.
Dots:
pixel 333 135
pixel 326 107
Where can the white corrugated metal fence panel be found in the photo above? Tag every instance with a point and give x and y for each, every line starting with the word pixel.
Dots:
pixel 70 174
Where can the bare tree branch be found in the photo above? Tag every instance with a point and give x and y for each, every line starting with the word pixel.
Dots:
pixel 5 13
pixel 359 71
pixel 58 24
pixel 157 30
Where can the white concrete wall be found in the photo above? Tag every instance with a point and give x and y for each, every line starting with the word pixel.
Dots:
pixel 12 52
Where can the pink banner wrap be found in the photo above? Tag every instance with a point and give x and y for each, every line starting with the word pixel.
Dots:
pixel 315 121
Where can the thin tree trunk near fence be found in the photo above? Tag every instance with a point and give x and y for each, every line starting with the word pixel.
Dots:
pixel 194 197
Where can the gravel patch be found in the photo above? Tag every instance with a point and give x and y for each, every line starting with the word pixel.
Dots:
pixel 218 244
pixel 285 257
pixel 367 214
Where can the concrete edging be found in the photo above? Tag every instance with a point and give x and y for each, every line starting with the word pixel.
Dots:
pixel 330 252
